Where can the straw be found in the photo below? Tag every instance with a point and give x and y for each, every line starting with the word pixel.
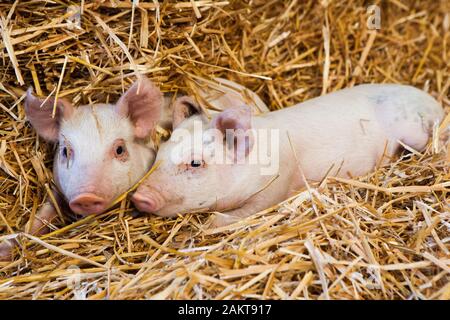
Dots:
pixel 385 235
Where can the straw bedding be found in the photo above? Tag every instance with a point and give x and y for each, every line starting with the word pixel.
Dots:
pixel 382 236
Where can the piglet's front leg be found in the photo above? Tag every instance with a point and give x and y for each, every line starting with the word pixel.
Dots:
pixel 41 223
pixel 232 216
pixel 6 250
pixel 254 204
pixel 39 226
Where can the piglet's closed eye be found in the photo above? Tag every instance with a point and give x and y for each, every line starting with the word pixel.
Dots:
pixel 142 102
pixel 39 112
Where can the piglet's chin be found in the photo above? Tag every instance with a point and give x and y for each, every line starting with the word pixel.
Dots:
pixel 148 201
pixel 87 204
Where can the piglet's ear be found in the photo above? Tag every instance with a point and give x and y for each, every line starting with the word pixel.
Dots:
pixel 39 113
pixel 235 124
pixel 183 108
pixel 142 103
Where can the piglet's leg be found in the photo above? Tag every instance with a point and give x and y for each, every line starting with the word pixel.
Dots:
pixel 39 226
pixel 45 216
pixel 230 217
pixel 6 249
pixel 223 219
pixel 253 205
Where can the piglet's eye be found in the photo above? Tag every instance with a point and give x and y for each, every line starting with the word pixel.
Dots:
pixel 64 152
pixel 120 150
pixel 196 163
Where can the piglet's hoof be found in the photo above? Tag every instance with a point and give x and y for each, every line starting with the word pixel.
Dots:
pixel 6 251
pixel 221 220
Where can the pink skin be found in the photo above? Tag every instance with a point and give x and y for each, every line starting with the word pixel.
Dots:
pixel 346 130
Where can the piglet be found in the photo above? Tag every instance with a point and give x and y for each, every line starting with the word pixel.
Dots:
pixel 221 164
pixel 101 152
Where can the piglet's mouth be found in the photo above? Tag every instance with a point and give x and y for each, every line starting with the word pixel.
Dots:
pixel 87 204
pixel 149 201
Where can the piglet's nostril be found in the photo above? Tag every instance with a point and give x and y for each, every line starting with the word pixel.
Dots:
pixel 87 203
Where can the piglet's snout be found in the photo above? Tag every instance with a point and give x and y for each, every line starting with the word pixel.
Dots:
pixel 148 201
pixel 87 203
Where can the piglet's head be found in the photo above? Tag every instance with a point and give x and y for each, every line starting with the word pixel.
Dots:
pixel 202 164
pixel 101 149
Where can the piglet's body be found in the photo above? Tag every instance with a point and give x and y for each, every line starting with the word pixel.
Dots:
pixel 342 133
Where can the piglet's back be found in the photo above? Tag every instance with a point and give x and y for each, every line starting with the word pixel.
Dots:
pixel 350 128
pixel 399 111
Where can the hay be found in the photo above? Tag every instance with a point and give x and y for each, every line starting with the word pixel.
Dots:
pixel 382 236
